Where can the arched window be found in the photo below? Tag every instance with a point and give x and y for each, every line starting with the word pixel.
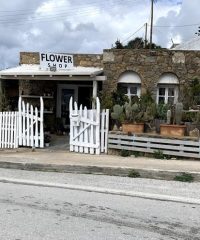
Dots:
pixel 167 91
pixel 130 82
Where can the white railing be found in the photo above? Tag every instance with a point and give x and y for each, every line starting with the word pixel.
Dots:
pixel 183 148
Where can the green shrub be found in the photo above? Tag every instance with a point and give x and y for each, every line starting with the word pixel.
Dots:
pixel 158 154
pixel 184 177
pixel 133 174
pixel 125 153
pixel 137 154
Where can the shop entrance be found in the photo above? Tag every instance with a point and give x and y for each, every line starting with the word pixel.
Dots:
pixel 82 94
pixel 64 93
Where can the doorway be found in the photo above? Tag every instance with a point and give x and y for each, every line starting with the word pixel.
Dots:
pixel 81 93
pixel 64 93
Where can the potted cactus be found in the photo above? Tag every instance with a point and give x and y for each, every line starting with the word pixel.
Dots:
pixel 117 115
pixel 133 118
pixel 134 114
pixel 174 126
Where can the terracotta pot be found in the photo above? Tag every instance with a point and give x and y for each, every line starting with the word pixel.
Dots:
pixel 172 130
pixel 133 127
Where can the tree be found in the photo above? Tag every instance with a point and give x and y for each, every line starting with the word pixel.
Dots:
pixel 136 43
pixel 118 45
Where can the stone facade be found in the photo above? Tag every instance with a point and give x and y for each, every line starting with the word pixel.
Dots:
pixel 83 60
pixel 150 65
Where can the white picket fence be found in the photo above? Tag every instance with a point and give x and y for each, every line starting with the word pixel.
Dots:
pixel 22 128
pixel 8 129
pixel 88 128
pixel 173 147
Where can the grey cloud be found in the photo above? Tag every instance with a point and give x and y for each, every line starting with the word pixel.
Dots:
pixel 189 14
pixel 76 32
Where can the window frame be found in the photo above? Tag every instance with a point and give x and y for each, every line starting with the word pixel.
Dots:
pixel 166 96
pixel 128 89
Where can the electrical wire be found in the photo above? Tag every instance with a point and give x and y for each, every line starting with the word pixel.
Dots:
pixel 70 12
pixel 177 26
pixel 133 33
pixel 94 3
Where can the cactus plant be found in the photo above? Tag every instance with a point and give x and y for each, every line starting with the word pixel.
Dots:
pixel 133 113
pixel 169 115
pixel 117 115
pixel 129 112
pixel 178 113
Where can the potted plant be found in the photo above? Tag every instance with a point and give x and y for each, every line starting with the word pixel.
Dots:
pixel 160 116
pixel 133 121
pixel 133 115
pixel 129 117
pixel 174 119
pixel 117 115
pixel 47 140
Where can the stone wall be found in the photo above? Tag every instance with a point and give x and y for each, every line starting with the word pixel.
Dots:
pixel 150 65
pixel 83 60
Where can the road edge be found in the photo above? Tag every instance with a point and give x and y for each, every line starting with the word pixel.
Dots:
pixel 149 196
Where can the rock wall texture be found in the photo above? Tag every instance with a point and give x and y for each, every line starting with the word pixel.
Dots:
pixel 150 65
pixel 83 60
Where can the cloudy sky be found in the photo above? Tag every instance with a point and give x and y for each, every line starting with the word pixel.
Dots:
pixel 89 26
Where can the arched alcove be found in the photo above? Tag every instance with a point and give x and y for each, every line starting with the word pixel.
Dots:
pixel 167 89
pixel 130 82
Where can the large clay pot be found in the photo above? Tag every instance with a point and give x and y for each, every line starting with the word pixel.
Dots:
pixel 172 130
pixel 133 127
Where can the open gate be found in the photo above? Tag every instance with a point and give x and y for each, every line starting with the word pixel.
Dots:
pixel 88 128
pixel 22 128
pixel 31 127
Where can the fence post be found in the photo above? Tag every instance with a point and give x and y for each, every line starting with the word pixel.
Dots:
pixel 32 131
pixel 71 134
pixel 36 127
pixel 81 127
pixel 41 122
pixel 20 120
pixel 16 130
pixel 1 129
pixel 28 123
pixel 106 131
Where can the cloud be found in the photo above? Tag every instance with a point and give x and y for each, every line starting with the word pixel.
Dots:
pixel 187 14
pixel 84 26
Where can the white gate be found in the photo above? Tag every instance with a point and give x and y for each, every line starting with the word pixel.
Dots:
pixel 88 128
pixel 22 128
pixel 31 128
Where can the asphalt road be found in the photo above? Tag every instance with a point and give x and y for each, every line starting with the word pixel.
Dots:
pixel 31 212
